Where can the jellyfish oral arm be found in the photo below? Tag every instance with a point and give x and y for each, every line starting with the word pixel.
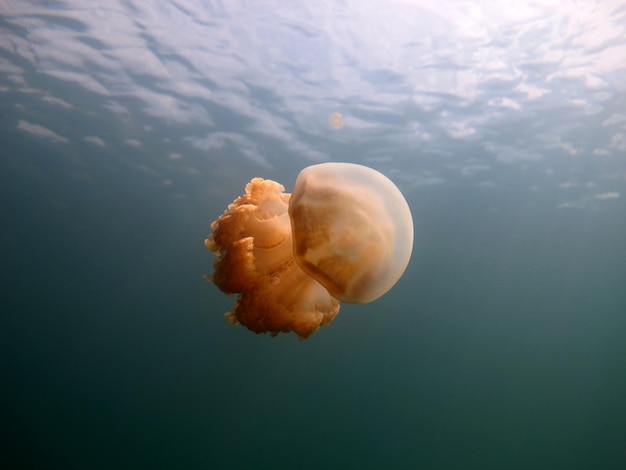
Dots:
pixel 254 248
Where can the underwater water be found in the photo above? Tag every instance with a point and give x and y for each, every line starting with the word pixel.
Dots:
pixel 126 127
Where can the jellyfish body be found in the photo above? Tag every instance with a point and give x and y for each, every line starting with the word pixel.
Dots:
pixel 346 233
pixel 335 120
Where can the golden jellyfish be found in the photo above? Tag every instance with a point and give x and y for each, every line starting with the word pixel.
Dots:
pixel 335 120
pixel 344 234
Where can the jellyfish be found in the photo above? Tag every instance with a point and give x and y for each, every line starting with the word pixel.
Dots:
pixel 344 234
pixel 335 120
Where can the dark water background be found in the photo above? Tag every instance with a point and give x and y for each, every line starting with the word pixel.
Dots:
pixel 503 346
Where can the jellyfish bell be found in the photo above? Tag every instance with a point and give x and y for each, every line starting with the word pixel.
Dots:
pixel 346 233
pixel 352 230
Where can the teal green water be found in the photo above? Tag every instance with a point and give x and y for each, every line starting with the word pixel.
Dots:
pixel 502 347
